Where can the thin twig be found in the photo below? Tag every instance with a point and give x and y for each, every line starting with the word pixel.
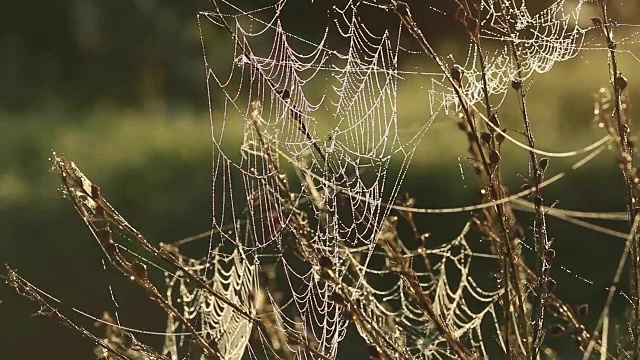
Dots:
pixel 29 291
pixel 510 261
pixel 624 149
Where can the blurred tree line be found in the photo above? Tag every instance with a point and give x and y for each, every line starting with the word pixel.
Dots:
pixel 83 51
pixel 133 52
pixel 78 52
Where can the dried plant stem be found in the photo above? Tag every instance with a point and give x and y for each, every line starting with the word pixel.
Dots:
pixel 379 338
pixel 624 148
pixel 312 255
pixel 95 209
pixel 406 272
pixel 29 291
pixel 541 243
pixel 604 315
pixel 540 239
pixel 508 256
pixel 494 145
pixel 561 310
pixel 99 225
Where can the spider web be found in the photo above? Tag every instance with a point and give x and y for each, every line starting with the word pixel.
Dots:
pixel 282 121
pixel 309 178
pixel 542 40
pixel 231 275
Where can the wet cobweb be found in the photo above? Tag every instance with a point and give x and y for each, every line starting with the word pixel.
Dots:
pixel 308 168
pixel 308 159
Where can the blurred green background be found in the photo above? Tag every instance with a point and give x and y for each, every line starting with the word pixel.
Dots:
pixel 119 88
